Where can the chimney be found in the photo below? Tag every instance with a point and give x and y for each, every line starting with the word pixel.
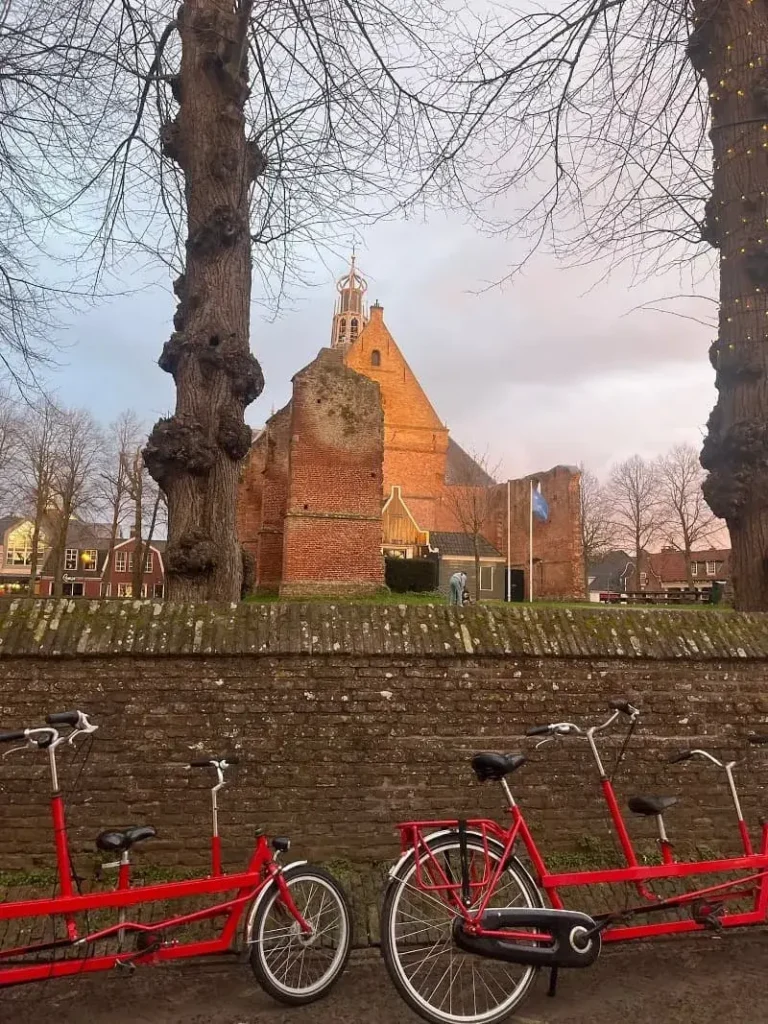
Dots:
pixel 132 533
pixel 377 311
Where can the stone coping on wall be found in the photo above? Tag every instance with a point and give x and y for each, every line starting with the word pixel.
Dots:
pixel 78 628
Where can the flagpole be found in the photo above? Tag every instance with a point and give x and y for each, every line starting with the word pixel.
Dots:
pixel 509 546
pixel 530 545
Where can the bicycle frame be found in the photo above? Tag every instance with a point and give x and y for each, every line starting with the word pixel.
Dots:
pixel 262 870
pixel 754 884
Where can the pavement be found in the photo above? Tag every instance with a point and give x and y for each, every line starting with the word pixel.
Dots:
pixel 710 980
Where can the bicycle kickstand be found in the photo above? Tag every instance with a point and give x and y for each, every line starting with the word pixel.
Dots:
pixel 552 990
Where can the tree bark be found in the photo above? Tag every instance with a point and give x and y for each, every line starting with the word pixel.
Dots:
pixel 34 557
pixel 195 454
pixel 729 46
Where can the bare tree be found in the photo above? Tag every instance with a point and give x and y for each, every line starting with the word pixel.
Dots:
pixel 689 519
pixel 74 485
pixel 598 527
pixel 123 439
pixel 635 496
pixel 254 127
pixel 41 431
pixel 471 505
pixel 10 446
pixel 48 129
pixel 637 128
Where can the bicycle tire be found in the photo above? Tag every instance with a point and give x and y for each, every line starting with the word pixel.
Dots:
pixel 531 897
pixel 268 958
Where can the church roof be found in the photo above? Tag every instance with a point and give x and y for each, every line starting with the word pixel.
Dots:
pixel 461 544
pixel 461 469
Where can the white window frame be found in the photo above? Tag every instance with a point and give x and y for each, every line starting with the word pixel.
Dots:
pixel 71 559
pixel 161 588
pixel 486 569
pixel 18 556
pixel 711 568
pixel 106 590
pixel 149 562
pixel 121 561
pixel 643 579
pixel 694 568
pixel 93 564
pixel 130 562
pixel 125 590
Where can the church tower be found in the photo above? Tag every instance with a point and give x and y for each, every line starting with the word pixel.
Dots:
pixel 350 315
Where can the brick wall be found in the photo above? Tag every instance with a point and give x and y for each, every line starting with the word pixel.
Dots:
pixel 332 536
pixel 336 750
pixel 557 547
pixel 337 746
pixel 274 500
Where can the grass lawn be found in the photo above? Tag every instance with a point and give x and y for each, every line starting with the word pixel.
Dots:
pixel 389 598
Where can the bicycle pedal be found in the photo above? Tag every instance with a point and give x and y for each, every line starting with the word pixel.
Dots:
pixel 126 965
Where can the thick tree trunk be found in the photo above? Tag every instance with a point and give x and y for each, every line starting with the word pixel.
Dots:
pixel 729 46
pixel 195 455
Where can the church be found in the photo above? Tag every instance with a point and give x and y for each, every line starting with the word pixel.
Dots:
pixel 359 465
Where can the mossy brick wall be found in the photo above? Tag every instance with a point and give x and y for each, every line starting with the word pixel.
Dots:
pixel 350 718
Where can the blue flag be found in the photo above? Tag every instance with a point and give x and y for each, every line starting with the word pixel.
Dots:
pixel 539 504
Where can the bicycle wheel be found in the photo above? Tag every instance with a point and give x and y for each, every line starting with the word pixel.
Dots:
pixel 289 965
pixel 440 982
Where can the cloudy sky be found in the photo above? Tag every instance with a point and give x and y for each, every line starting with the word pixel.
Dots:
pixel 554 367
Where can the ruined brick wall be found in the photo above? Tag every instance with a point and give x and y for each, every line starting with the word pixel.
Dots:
pixel 558 570
pixel 249 496
pixel 274 500
pixel 332 538
pixel 374 723
pixel 415 439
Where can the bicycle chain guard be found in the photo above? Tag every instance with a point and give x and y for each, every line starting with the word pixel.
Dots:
pixel 570 938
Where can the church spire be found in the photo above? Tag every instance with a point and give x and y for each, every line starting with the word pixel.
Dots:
pixel 350 314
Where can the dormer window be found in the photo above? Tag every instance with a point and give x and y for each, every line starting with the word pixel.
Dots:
pixel 375 358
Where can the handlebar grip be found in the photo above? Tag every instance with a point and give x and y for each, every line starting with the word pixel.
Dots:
pixel 539 730
pixel 63 718
pixel 758 738
pixel 684 755
pixel 209 762
pixel 9 737
pixel 621 705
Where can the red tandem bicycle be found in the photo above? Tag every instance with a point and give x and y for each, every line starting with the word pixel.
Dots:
pixel 294 920
pixel 465 927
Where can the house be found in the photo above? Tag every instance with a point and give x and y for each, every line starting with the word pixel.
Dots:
pixel 667 569
pixel 457 554
pixel 611 573
pixel 88 569
pixel 117 574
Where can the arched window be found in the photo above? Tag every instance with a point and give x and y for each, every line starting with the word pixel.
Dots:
pixel 353 330
pixel 375 358
pixel 342 329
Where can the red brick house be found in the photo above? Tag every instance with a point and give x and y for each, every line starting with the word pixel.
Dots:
pixel 667 570
pixel 117 573
pixel 88 570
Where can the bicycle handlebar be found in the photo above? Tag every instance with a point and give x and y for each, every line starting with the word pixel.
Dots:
pixel 539 730
pixel 213 762
pixel 9 737
pixel 624 706
pixel 684 755
pixel 64 718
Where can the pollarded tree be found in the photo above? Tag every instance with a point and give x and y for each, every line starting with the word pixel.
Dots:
pixel 246 127
pixel 641 127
